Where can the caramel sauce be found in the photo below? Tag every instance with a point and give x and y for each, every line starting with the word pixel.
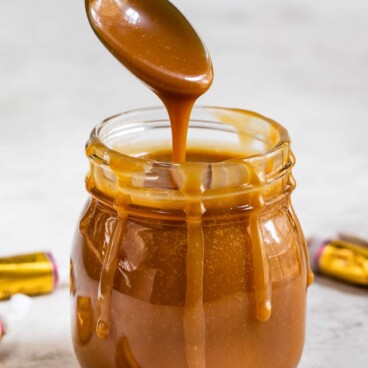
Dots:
pixel 156 43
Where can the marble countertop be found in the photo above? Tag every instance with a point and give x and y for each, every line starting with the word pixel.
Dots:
pixel 302 62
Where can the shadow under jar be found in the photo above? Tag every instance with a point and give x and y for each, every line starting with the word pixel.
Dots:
pixel 194 265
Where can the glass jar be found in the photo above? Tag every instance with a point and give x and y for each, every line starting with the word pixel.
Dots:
pixel 194 265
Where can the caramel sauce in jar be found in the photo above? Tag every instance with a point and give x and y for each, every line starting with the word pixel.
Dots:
pixel 201 264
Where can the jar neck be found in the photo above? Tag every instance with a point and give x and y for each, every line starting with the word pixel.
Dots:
pixel 241 185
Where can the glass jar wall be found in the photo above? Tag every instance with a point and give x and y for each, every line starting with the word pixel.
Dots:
pixel 194 265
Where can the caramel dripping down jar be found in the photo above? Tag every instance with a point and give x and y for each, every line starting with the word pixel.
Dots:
pixel 194 265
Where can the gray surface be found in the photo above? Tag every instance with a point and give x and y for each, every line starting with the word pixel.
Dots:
pixel 303 63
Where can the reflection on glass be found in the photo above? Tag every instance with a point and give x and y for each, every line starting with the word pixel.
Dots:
pixel 124 355
pixel 84 318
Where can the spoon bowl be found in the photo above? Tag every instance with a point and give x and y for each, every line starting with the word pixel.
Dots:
pixel 155 42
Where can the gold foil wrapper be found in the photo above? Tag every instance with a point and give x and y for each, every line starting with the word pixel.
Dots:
pixel 30 274
pixel 344 260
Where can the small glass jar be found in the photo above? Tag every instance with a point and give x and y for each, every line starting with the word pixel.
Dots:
pixel 194 265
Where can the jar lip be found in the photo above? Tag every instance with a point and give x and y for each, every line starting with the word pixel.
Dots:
pixel 102 155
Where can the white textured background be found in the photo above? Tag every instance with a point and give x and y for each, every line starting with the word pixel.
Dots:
pixel 302 62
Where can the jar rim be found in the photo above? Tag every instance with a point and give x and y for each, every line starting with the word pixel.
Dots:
pixel 146 182
pixel 102 155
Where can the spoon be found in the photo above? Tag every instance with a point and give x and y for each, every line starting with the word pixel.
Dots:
pixel 156 43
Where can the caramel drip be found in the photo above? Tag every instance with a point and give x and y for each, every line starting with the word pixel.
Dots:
pixel 90 179
pixel 261 268
pixel 194 319
pixel 294 219
pixel 109 267
pixel 194 315
pixel 310 275
pixel 116 234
